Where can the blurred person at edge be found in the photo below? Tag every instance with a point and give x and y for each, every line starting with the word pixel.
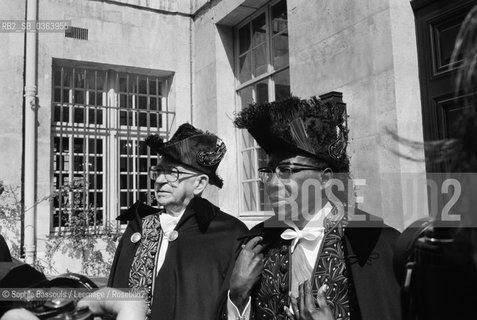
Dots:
pixel 180 255
pixel 131 309
pixel 442 275
pixel 312 260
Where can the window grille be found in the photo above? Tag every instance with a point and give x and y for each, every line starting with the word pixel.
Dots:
pixel 100 120
pixel 76 33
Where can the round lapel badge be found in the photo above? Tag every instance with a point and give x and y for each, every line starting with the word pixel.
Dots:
pixel 173 235
pixel 135 237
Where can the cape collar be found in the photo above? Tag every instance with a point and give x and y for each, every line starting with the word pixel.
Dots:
pixel 203 210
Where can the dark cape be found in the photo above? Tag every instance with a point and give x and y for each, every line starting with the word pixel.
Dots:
pixel 368 248
pixel 195 275
pixel 4 251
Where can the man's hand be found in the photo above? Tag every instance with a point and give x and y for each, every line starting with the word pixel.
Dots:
pixel 247 270
pixel 123 309
pixel 306 307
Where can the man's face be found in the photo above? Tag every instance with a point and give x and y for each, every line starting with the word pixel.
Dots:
pixel 297 189
pixel 174 184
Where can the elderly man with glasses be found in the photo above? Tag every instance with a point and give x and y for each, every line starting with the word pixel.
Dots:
pixel 312 260
pixel 181 254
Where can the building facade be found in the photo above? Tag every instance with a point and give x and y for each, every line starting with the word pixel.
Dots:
pixel 128 68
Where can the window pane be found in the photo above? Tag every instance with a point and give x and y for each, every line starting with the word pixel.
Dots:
pixel 280 50
pixel 123 101
pixel 143 165
pixel 57 95
pixel 248 164
pixel 142 103
pixel 126 164
pixel 143 119
pixel 142 148
pixel 153 121
pixel 249 196
pixel 125 147
pixel 244 38
pixel 100 80
pixel 96 181
pixel 125 118
pixel 153 104
pixel 143 181
pixel 246 96
pixel 79 97
pixel 78 145
pixel 79 79
pixel 247 140
pixel 152 86
pixel 259 60
pixel 78 163
pixel 265 204
pixel 124 183
pixel 279 17
pixel 96 199
pixel 282 84
pixel 78 115
pixel 261 91
pixel 66 96
pixel 57 76
pixel 66 113
pixel 143 86
pixel 124 199
pixel 57 113
pixel 259 30
pixel 123 84
pixel 67 77
pixel 245 68
pixel 99 164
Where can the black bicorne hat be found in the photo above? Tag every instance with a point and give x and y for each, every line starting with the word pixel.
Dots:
pixel 312 127
pixel 194 148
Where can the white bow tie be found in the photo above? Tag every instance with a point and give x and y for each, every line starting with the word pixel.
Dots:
pixel 297 235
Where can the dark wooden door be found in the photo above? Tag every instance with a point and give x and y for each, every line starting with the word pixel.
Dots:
pixel 437 25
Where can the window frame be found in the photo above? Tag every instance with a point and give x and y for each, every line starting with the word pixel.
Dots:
pixel 269 76
pixel 110 132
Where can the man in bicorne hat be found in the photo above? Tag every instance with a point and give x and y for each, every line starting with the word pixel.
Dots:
pixel 312 260
pixel 181 255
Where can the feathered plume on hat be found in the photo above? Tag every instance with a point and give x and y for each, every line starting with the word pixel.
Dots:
pixel 313 127
pixel 194 148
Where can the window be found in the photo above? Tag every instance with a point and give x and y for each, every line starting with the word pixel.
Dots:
pixel 262 72
pixel 100 120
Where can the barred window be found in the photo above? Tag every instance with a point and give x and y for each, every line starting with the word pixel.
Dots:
pixel 100 120
pixel 262 73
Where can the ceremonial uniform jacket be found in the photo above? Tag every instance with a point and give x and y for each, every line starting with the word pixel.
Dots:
pixel 196 271
pixel 367 250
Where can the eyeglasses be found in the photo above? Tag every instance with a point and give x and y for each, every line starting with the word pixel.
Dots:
pixel 284 171
pixel 170 174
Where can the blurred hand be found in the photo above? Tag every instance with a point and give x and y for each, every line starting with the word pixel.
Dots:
pixel 122 309
pixel 19 314
pixel 247 270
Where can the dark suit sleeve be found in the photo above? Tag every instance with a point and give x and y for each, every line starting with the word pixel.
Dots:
pixel 5 255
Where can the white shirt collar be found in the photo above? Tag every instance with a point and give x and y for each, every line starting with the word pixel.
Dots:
pixel 169 222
